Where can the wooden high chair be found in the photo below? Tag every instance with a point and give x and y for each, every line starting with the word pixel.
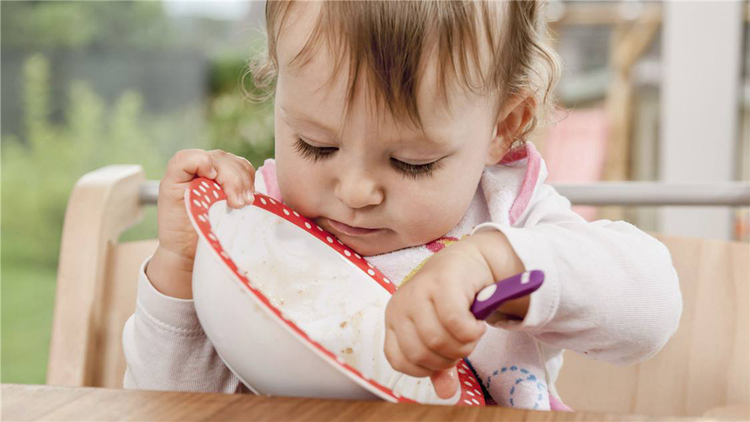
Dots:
pixel 705 365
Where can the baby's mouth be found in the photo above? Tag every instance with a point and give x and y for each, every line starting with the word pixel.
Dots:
pixel 349 230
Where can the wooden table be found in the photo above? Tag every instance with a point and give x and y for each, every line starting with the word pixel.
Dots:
pixel 48 403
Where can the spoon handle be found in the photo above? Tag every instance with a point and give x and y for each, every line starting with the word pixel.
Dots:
pixel 491 297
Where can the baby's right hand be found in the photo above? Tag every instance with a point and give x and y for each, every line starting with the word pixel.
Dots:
pixel 170 269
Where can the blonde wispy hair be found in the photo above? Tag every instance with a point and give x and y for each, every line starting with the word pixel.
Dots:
pixel 494 48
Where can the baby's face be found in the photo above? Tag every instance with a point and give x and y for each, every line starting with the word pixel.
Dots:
pixel 376 182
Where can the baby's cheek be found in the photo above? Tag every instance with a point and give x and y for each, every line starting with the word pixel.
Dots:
pixel 304 199
pixel 426 220
pixel 299 188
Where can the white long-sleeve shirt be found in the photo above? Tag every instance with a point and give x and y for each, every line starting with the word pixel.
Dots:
pixel 610 292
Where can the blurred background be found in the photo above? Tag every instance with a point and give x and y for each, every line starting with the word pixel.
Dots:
pixel 651 91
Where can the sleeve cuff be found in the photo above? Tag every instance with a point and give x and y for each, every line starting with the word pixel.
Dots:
pixel 535 255
pixel 173 314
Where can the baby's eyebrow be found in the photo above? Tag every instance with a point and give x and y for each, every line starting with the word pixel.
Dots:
pixel 420 139
pixel 308 119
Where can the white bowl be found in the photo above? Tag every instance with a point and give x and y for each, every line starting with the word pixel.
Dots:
pixel 291 310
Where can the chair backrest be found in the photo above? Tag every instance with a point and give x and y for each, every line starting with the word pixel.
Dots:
pixel 705 365
pixel 96 279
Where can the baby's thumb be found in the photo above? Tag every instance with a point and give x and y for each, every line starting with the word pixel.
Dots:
pixel 445 383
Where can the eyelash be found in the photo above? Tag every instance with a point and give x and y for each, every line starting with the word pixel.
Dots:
pixel 313 153
pixel 414 171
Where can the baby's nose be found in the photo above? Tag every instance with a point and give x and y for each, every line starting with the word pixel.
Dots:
pixel 357 190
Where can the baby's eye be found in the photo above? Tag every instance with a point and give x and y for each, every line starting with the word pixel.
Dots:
pixel 313 153
pixel 415 171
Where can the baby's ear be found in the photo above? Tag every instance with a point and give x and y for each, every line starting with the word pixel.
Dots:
pixel 513 118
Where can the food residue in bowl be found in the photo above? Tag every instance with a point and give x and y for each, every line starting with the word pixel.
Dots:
pixel 334 302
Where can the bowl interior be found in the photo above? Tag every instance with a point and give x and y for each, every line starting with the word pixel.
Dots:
pixel 328 295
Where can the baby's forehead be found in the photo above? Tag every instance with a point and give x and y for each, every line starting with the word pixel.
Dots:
pixel 411 82
pixel 314 93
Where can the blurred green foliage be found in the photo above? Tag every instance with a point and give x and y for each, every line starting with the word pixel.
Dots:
pixel 236 124
pixel 39 171
pixel 78 24
pixel 28 295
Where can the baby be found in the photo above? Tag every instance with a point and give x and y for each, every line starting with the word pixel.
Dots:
pixel 400 127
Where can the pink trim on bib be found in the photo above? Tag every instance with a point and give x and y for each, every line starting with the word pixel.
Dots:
pixel 530 180
pixel 514 155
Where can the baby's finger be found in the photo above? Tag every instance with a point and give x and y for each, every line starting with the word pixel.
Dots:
pixel 248 166
pixel 398 361
pixel 438 339
pixel 410 344
pixel 455 315
pixel 247 175
pixel 235 185
pixel 445 383
pixel 186 164
pixel 239 178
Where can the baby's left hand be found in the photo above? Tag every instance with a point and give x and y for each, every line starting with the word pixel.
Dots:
pixel 429 325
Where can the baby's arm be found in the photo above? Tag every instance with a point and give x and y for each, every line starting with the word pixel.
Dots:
pixel 610 290
pixel 166 348
pixel 164 344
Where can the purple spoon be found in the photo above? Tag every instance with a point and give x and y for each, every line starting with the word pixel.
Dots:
pixel 491 297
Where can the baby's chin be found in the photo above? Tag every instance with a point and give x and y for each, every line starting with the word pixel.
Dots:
pixel 379 246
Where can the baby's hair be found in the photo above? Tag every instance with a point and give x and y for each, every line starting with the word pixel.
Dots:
pixel 488 47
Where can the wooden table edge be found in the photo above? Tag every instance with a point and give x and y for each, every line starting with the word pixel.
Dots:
pixel 44 402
